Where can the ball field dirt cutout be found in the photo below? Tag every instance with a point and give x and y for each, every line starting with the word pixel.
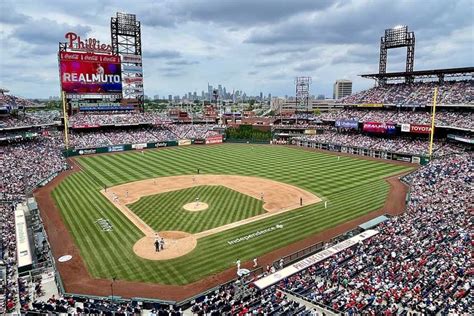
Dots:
pixel 277 197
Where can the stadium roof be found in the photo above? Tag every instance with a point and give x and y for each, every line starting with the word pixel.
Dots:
pixel 435 73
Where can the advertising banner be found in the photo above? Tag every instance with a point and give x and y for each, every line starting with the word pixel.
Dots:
pixel 105 108
pixel 410 105
pixel 401 157
pixel 139 146
pixel 214 139
pixel 347 123
pixel 133 90
pixel 133 69
pixel 420 129
pixel 184 142
pixel 406 128
pixel 199 141
pixel 129 58
pixel 391 129
pixel 115 148
pixel 310 132
pixel 131 80
pixel 376 127
pixel 87 151
pixel 86 126
pixel 90 73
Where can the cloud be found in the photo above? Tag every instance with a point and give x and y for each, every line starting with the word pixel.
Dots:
pixel 268 63
pixel 244 45
pixel 243 13
pixel 308 66
pixel 285 50
pixel 46 32
pixel 182 62
pixel 9 15
pixel 162 54
pixel 173 73
pixel 362 22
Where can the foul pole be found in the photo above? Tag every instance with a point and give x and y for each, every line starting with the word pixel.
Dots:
pixel 433 120
pixel 65 117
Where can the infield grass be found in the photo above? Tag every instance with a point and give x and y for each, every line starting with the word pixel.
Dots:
pixel 165 211
pixel 352 186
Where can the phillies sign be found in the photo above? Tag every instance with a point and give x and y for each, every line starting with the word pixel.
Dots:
pixel 420 129
pixel 74 42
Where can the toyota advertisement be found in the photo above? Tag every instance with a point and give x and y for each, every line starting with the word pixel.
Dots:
pixel 90 73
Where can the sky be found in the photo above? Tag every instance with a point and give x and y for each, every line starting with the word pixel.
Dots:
pixel 249 45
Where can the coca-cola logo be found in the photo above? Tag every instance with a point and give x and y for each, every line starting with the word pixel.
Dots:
pixel 74 42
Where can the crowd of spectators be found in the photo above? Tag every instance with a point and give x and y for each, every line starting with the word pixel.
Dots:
pixel 398 145
pixel 35 118
pixel 91 119
pixel 85 306
pixel 228 301
pixel 8 267
pixel 25 164
pixel 462 119
pixel 420 261
pixel 418 93
pixel 139 135
pixel 14 101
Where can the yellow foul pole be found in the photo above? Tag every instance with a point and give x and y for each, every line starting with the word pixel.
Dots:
pixel 66 138
pixel 435 97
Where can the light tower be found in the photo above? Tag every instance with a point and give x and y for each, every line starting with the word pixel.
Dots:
pixel 302 94
pixel 399 36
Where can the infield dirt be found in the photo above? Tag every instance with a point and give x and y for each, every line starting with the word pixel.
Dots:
pixel 278 197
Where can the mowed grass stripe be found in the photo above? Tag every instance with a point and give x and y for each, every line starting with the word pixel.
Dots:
pixel 165 211
pixel 352 186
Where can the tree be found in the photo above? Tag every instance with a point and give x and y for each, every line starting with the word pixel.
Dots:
pixel 317 112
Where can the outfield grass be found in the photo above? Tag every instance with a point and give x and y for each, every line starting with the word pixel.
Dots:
pixel 352 186
pixel 165 211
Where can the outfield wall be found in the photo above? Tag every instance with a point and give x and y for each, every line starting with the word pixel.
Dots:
pixel 361 151
pixel 216 139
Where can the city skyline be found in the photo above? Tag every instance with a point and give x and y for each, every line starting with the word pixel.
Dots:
pixel 242 45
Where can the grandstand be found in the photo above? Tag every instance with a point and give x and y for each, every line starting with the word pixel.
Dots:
pixel 410 256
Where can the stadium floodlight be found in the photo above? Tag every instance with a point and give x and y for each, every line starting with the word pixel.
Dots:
pixel 302 94
pixel 398 36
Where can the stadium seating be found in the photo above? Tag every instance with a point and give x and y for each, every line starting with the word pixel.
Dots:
pixel 418 93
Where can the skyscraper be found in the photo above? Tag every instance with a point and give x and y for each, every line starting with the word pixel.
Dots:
pixel 342 88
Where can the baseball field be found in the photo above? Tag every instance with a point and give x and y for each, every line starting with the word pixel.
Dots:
pixel 238 222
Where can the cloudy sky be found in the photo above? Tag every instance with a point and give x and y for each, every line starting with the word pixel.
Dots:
pixel 250 45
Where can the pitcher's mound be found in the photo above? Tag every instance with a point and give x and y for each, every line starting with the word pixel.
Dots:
pixel 177 244
pixel 195 207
